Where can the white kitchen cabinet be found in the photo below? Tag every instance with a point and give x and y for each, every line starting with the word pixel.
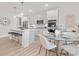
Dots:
pixel 28 36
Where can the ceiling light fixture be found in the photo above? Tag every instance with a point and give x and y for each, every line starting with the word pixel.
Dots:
pixel 46 5
pixel 22 4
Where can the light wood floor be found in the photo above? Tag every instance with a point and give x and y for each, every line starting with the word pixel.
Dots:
pixel 9 48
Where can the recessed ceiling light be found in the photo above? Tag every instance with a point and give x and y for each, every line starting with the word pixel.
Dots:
pixel 46 5
pixel 30 10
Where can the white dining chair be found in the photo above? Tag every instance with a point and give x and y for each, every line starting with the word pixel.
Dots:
pixel 71 50
pixel 45 32
pixel 69 35
pixel 57 32
pixel 46 44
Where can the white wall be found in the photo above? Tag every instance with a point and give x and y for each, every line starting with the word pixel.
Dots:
pixel 66 10
pixel 4 29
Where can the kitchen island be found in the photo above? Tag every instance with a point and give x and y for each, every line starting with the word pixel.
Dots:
pixel 27 38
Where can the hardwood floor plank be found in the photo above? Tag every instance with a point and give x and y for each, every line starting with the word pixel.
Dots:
pixel 12 48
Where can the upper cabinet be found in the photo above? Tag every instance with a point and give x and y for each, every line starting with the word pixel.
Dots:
pixel 39 19
pixel 52 14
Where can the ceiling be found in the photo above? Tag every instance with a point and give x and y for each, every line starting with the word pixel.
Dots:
pixel 9 7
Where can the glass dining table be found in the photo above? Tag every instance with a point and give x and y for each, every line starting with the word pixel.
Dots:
pixel 58 39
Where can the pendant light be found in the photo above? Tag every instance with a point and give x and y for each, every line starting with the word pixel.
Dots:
pixel 22 4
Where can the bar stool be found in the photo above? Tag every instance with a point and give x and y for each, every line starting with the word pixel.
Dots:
pixel 16 35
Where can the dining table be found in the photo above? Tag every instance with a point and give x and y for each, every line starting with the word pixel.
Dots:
pixel 58 39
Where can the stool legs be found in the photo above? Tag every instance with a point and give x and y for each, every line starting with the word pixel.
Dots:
pixel 40 49
pixel 16 38
pixel 19 40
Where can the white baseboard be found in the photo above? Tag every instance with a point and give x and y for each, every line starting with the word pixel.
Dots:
pixel 3 36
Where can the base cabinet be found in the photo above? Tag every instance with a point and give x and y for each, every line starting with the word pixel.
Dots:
pixel 27 37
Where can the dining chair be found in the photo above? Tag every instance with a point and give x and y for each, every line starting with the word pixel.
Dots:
pixel 46 44
pixel 45 32
pixel 71 50
pixel 70 35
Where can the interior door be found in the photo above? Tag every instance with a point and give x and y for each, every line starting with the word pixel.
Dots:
pixel 70 22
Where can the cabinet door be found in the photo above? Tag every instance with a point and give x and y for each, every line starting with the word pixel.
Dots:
pixel 31 35
pixel 52 14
